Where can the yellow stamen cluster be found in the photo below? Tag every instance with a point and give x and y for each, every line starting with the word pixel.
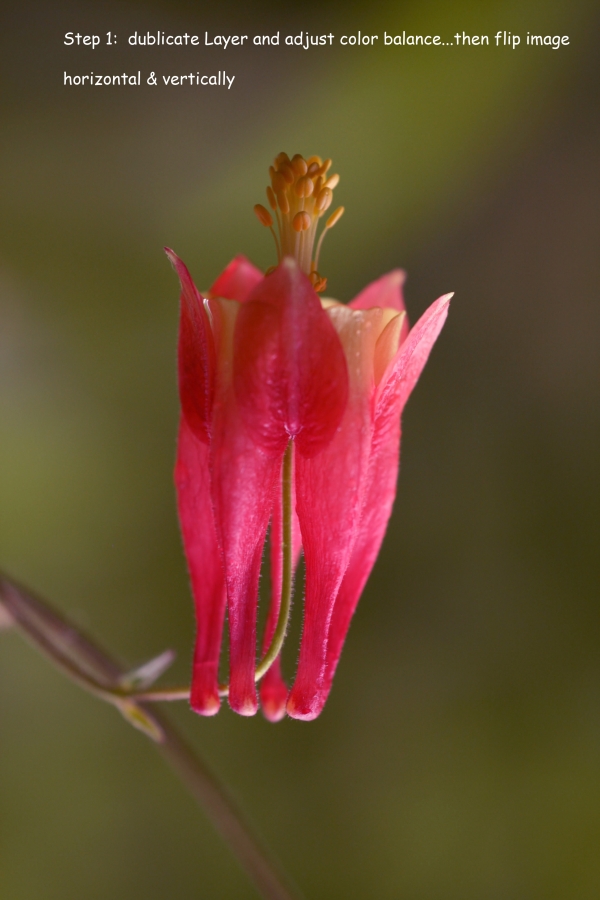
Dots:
pixel 300 193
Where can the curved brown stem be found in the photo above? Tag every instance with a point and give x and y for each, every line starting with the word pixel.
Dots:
pixel 83 661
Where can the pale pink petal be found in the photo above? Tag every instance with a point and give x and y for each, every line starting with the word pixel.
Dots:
pixel 403 371
pixel 393 392
pixel 385 292
pixel 380 494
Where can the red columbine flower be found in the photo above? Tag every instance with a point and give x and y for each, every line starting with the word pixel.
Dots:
pixel 290 416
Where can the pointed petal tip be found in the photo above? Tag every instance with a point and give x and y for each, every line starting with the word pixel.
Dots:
pixel 172 256
pixel 440 307
pixel 181 269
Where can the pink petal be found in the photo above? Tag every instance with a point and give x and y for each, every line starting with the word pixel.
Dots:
pixel 243 480
pixel 237 281
pixel 385 292
pixel 204 563
pixel 290 373
pixel 380 494
pixel 330 490
pixel 403 371
pixel 399 381
pixel 196 354
pixel 273 689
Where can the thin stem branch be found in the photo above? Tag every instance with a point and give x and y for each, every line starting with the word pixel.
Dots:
pixel 84 662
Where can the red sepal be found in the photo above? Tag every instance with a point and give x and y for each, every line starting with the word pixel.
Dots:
pixel 204 563
pixel 290 375
pixel 196 354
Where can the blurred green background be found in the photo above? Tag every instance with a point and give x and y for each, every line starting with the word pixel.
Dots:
pixel 458 755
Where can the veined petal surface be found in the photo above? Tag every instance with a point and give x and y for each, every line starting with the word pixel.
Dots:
pixel 330 491
pixel 290 374
pixel 392 394
pixel 196 354
pixel 243 480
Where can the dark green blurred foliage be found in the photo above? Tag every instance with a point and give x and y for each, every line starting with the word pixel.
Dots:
pixel 458 755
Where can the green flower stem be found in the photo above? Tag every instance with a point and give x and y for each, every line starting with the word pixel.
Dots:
pixel 288 571
pixel 84 662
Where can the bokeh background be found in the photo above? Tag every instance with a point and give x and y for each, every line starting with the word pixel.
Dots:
pixel 458 755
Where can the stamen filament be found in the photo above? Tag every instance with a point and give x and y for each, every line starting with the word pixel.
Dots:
pixel 333 218
pixel 299 194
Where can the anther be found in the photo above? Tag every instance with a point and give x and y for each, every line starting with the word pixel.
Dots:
pixel 271 198
pixel 335 217
pixel 304 186
pixel 263 215
pixel 279 183
pixel 287 172
pixel 292 182
pixel 299 165
pixel 283 203
pixel 323 200
pixel 301 221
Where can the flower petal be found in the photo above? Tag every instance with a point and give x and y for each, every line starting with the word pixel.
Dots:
pixel 237 281
pixel 196 354
pixel 330 491
pixel 243 479
pixel 290 374
pixel 204 563
pixel 385 292
pixel 379 500
pixel 380 491
pixel 404 369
